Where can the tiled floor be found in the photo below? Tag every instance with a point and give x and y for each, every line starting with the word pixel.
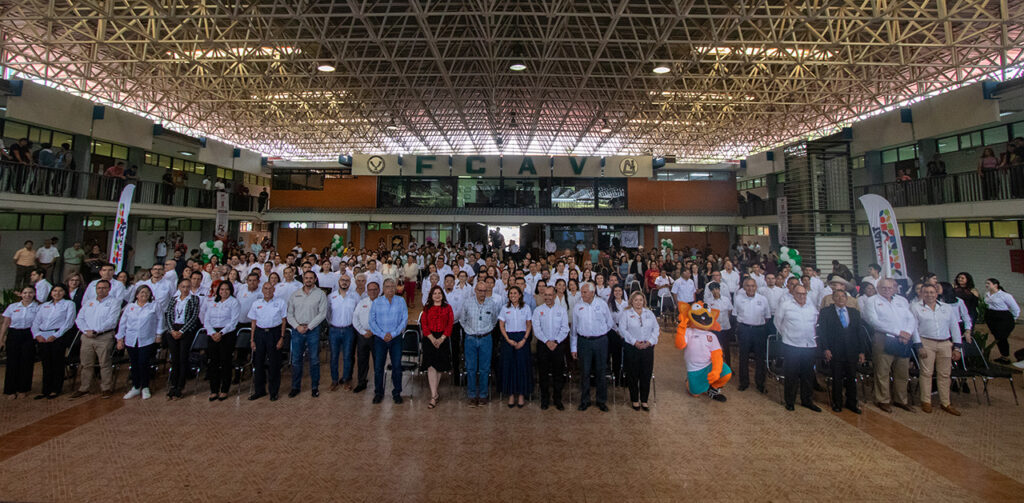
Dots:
pixel 340 447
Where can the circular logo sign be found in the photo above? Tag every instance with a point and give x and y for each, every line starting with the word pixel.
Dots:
pixel 628 166
pixel 375 164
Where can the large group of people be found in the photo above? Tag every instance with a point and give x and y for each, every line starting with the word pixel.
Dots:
pixel 505 317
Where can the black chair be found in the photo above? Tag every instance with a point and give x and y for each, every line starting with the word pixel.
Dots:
pixel 411 357
pixel 866 370
pixel 196 355
pixel 73 358
pixel 774 362
pixel 978 365
pixel 242 342
pixel 960 373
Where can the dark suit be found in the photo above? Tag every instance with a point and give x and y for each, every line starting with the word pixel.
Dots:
pixel 179 349
pixel 846 345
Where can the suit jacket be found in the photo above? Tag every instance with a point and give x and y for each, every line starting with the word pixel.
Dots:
pixel 191 314
pixel 844 343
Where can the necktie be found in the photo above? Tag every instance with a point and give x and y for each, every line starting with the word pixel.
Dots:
pixel 842 318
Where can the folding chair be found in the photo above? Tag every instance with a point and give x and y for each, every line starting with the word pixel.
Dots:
pixel 73 359
pixel 243 341
pixel 978 365
pixel 118 357
pixel 774 362
pixel 411 357
pixel 866 370
pixel 960 373
pixel 196 359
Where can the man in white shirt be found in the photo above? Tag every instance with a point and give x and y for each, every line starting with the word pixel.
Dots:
pixel 288 285
pixel 684 289
pixel 341 304
pixel 776 286
pixel 268 321
pixel 893 324
pixel 247 296
pixel 756 273
pixel 591 321
pixel 796 322
pixel 372 274
pixel 97 320
pixel 364 337
pixel 43 287
pixel 938 340
pixel 160 250
pixel 47 257
pixel 874 274
pixel 731 278
pixel 560 273
pixel 533 277
pixel 753 311
pixel 551 327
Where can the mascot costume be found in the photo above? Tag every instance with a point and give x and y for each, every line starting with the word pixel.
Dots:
pixel 705 370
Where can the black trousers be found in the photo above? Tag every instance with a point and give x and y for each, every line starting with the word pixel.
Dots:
pixel 752 340
pixel 456 341
pixel 138 361
pixel 593 355
pixel 1000 323
pixel 51 354
pixel 219 353
pixel 615 346
pixel 364 348
pixel 844 378
pixel 725 338
pixel 21 360
pixel 551 367
pixel 799 372
pixel 639 365
pixel 266 360
pixel 178 351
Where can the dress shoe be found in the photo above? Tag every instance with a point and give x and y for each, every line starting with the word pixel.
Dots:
pixel 472 402
pixel 761 390
pixel 811 406
pixel 51 396
pixel 39 397
pixel 398 400
pixel 107 394
pixel 315 392
pixel 743 387
pixel 884 406
pixel 854 409
pixel 583 406
pixel 636 407
pixel 511 405
pixel 926 408
pixel 602 407
pixel 335 386
pixel 559 406
pixel 378 398
pixel 818 387
pixel 293 393
pixel 645 408
pixel 543 406
pixel 1002 360
pixel 359 389
pixel 903 406
pixel 965 388
pixel 790 407
pixel 521 405
pixel 222 398
pixel 257 396
pixel 78 394
pixel 273 397
pixel 836 408
pixel 950 409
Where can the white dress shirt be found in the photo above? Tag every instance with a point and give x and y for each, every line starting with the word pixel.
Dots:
pixel 43 288
pixel 938 324
pixel 245 300
pixel 21 315
pixel 604 293
pixel 888 317
pixel 550 323
pixel 285 289
pixel 641 327
pixel 590 320
pixel 138 325
pixel 98 316
pixel 685 290
pixel 117 291
pixel 268 314
pixel 661 282
pixel 515 318
pixel 731 280
pixel 53 319
pixel 361 316
pixel 797 323
pixel 340 308
pixel 724 307
pixel 753 311
pixel 221 314
pixel 774 294
pixel 999 301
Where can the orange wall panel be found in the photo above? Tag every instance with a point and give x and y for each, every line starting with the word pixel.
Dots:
pixel 696 197
pixel 358 192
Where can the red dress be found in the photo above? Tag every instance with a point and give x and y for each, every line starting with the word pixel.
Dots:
pixel 437 321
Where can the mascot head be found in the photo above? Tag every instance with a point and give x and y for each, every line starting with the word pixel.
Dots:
pixel 696 315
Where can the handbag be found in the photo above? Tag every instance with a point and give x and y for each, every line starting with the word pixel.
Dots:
pixel 894 347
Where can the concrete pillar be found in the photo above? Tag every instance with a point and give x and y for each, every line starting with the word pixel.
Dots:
pixel 935 247
pixel 873 165
pixel 362 234
pixel 926 149
pixel 81 148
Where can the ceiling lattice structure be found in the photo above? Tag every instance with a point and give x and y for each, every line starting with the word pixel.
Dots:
pixel 434 76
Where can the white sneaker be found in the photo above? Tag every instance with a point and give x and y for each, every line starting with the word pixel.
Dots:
pixel 145 394
pixel 132 394
pixel 1019 364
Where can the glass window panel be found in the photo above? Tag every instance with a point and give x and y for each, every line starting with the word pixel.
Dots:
pixel 479 193
pixel 946 145
pixel 611 194
pixel 62 138
pixel 1018 129
pixel 30 222
pixel 8 221
pixel 53 222
pixel 523 192
pixel 908 152
pixel 36 135
pixel 996 135
pixel 572 193
pixel 430 192
pixel 101 148
pixel 972 229
pixel 197 225
pixel 1005 229
pixel 912 229
pixel 390 191
pixel 965 141
pixel 145 224
pixel 15 130
pixel 179 164
pixel 890 156
pixel 119 152
pixel 984 229
pixel 159 224
pixel 150 159
pixel 976 138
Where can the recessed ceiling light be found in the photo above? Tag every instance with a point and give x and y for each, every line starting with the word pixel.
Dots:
pixel 326 68
pixel 606 129
pixel 517 67
pixel 661 69
pixel 185 152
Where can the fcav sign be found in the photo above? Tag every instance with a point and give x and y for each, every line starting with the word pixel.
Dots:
pixel 509 166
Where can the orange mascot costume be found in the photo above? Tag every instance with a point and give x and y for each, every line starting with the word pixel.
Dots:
pixel 706 372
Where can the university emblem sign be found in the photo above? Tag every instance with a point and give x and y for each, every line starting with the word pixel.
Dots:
pixel 375 164
pixel 628 167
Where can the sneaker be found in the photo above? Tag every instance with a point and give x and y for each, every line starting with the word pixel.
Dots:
pixel 134 392
pixel 1019 365
pixel 145 394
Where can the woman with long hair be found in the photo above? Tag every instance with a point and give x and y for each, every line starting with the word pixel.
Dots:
pixel 617 304
pixel 220 321
pixel 76 289
pixel 963 288
pixel 16 336
pixel 53 319
pixel 1000 316
pixel 137 331
pixel 436 324
pixel 514 322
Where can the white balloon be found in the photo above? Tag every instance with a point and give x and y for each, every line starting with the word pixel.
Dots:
pixel 218 244
pixel 784 250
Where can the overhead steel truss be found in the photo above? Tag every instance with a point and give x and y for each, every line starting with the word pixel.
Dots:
pixel 434 76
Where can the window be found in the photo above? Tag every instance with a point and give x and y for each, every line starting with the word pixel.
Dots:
pixel 523 192
pixel 970 140
pixel 956 229
pixel 53 222
pixel 780 178
pixel 1018 129
pixel 225 173
pixel 430 192
pixel 111 150
pixel 995 135
pixel 946 145
pixel 911 229
pixel 611 193
pixel 8 221
pixel 673 228
pixel 245 226
pixel 979 229
pixel 1005 229
pixel 14 131
pixel 298 179
pixel 857 162
pixel 572 193
pixel 908 152
pixel 862 230
pixel 889 156
pixel 478 192
pixel 904 153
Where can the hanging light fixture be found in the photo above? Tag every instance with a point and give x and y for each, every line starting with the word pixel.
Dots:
pixel 325 67
pixel 661 69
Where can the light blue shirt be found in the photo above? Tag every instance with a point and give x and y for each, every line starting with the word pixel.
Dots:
pixel 388 317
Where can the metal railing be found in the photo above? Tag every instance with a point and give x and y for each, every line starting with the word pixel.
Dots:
pixel 39 181
pixel 994 185
pixel 758 207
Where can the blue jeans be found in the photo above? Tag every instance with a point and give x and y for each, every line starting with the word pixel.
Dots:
pixel 342 341
pixel 309 341
pixel 381 351
pixel 478 365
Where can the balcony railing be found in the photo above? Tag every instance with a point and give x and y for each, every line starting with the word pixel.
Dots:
pixel 758 207
pixel 995 185
pixel 39 181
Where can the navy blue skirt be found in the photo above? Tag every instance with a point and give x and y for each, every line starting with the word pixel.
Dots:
pixel 516 373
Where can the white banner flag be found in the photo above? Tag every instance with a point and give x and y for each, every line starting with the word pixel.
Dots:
pixel 886 235
pixel 629 239
pixel 782 207
pixel 117 242
pixel 220 229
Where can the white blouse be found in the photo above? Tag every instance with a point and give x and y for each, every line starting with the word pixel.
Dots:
pixel 54 318
pixel 622 306
pixel 635 328
pixel 604 293
pixel 138 325
pixel 221 314
pixel 515 318
pixel 21 315
pixel 1002 301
